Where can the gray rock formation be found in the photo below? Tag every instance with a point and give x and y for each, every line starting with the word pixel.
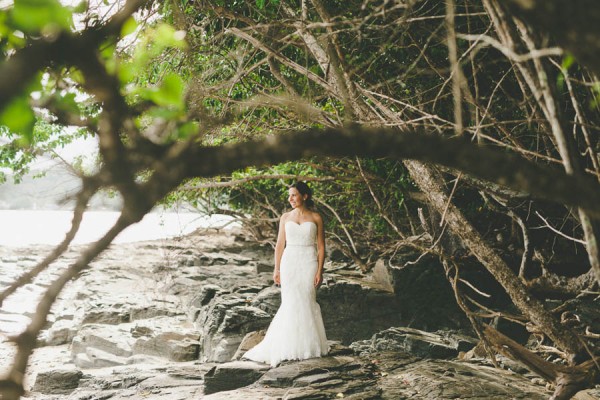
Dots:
pixel 101 345
pixel 60 381
pixel 442 344
pixel 163 321
pixel 232 375
pixel 224 322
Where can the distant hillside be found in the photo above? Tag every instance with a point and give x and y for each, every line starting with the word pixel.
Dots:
pixel 53 191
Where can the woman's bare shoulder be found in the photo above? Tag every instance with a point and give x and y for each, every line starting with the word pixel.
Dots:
pixel 284 217
pixel 317 217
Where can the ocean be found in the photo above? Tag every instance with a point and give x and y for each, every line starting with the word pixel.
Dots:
pixel 26 227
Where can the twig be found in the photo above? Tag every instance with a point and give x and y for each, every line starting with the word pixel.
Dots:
pixel 11 386
pixel 553 229
pixel 376 200
pixel 508 52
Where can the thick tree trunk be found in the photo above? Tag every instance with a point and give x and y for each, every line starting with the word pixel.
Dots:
pixel 430 182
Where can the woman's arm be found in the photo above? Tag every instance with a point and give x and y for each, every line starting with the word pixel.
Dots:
pixel 320 250
pixel 279 248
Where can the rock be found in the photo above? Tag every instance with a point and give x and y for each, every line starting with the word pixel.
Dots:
pixel 285 374
pixel 218 258
pixel 443 379
pixel 232 375
pixel 113 316
pixel 162 309
pixel 140 331
pixel 224 323
pixel 337 255
pixel 423 298
pixel 61 332
pixel 268 299
pixel 336 348
pixel 207 293
pixel 382 276
pixel 260 267
pixel 165 337
pixel 110 339
pixel 248 289
pixel 417 343
pixel 170 345
pixel 94 358
pixel 353 311
pixel 158 354
pixel 249 341
pixel 313 379
pixel 57 381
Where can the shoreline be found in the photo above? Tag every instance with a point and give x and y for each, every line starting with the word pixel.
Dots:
pixel 32 227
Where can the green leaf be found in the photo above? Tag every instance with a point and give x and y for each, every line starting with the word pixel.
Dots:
pixel 260 4
pixel 34 16
pixel 129 27
pixel 187 129
pixel 170 92
pixel 126 72
pixel 567 61
pixel 166 36
pixel 18 117
pixel 67 103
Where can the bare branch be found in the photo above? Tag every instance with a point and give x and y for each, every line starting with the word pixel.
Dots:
pixel 11 386
pixel 553 229
pixel 83 197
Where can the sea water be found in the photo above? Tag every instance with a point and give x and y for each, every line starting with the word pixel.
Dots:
pixel 27 227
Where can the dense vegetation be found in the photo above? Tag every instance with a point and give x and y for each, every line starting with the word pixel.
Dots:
pixel 222 103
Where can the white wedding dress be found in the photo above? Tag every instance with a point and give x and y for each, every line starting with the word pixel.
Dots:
pixel 297 330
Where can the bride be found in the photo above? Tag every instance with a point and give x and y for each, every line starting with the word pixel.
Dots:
pixel 297 330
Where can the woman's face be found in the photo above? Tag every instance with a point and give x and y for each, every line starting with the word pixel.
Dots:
pixel 295 198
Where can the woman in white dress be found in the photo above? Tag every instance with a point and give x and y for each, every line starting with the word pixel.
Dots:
pixel 297 330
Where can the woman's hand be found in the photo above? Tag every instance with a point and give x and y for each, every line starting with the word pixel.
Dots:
pixel 276 276
pixel 318 279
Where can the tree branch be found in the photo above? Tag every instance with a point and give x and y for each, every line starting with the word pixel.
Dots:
pixel 483 162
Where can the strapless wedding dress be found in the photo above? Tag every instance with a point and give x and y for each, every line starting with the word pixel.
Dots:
pixel 297 330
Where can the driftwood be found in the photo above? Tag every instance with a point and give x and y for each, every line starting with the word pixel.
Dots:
pixel 568 379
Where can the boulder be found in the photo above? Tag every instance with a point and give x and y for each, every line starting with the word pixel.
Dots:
pixel 418 343
pixel 57 381
pixel 224 322
pixel 111 339
pixel 268 299
pixel 287 373
pixel 423 298
pixel 95 358
pixel 260 267
pixel 249 341
pixel 353 311
pixel 232 375
pixel 444 379
pixel 112 316
pixel 61 332
pixel 207 293
pixel 165 337
pixel 170 345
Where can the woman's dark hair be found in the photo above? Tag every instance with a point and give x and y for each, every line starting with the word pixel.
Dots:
pixel 303 188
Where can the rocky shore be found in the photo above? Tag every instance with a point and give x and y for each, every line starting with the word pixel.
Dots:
pixel 170 320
